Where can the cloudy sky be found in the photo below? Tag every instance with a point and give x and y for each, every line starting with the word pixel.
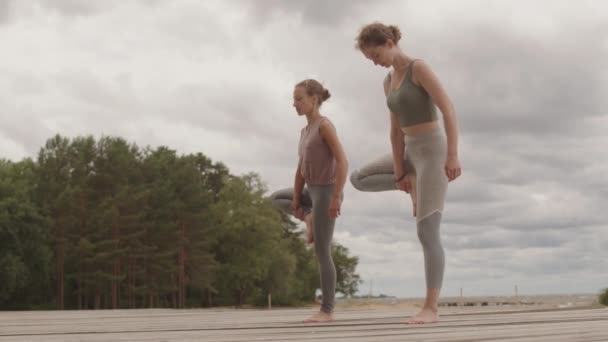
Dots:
pixel 528 81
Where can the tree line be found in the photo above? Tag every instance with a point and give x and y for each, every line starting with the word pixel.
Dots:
pixel 102 223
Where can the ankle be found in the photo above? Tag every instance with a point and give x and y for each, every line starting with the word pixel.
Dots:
pixel 432 308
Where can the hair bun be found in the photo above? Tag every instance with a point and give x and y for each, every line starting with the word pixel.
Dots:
pixel 396 33
pixel 325 95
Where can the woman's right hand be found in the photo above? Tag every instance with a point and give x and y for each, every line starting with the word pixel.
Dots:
pixel 297 209
pixel 404 184
pixel 298 213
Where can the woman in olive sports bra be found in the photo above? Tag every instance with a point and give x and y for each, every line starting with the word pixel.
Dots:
pixel 422 162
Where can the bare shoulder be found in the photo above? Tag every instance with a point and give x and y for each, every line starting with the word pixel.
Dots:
pixel 420 64
pixel 326 125
pixel 421 71
pixel 328 133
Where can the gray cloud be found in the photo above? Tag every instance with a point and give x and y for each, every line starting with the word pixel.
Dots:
pixel 4 11
pixel 312 12
pixel 77 8
pixel 10 9
pixel 493 237
pixel 22 127
pixel 530 85
pixel 89 88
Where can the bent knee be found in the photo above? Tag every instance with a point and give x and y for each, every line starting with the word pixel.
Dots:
pixel 355 180
pixel 274 196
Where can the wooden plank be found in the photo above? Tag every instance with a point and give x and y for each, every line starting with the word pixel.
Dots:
pixel 412 335
pixel 224 322
pixel 283 325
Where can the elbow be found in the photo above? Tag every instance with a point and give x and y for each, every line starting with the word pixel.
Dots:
pixel 448 113
pixel 342 164
pixel 396 133
pixel 396 137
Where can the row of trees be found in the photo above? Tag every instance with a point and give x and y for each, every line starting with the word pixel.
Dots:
pixel 107 224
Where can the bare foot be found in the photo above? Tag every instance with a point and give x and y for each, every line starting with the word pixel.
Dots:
pixel 309 234
pixel 320 317
pixel 425 316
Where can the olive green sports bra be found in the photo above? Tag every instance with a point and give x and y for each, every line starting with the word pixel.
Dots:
pixel 411 103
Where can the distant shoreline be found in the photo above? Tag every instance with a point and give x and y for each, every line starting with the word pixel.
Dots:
pixel 537 301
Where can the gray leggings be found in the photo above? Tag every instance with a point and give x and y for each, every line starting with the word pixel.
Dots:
pixel 316 198
pixel 425 158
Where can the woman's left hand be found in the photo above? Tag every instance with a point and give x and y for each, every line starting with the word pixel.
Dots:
pixel 334 207
pixel 452 168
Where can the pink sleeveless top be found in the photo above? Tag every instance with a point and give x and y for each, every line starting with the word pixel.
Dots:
pixel 317 162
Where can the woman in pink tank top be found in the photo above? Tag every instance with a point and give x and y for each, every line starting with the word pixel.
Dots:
pixel 320 176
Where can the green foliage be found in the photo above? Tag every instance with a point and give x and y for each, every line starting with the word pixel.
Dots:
pixel 603 297
pixel 347 281
pixel 24 252
pixel 106 224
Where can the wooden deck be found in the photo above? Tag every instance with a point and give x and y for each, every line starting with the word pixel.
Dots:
pixel 283 325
